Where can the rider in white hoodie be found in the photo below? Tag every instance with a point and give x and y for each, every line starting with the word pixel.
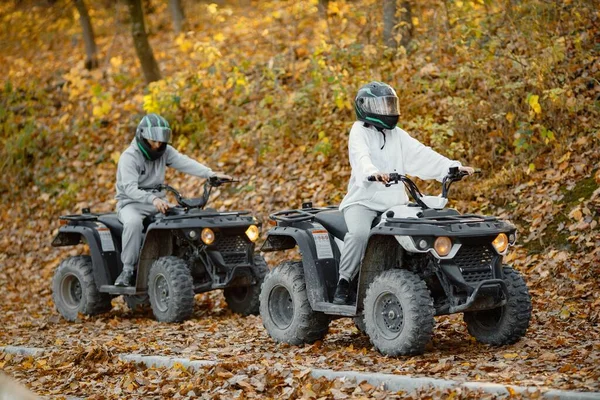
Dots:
pixel 377 147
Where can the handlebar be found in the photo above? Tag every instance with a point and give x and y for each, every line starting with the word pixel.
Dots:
pixel 454 175
pixel 200 202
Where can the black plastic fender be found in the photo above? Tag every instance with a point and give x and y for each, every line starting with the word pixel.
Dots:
pixel 106 260
pixel 320 275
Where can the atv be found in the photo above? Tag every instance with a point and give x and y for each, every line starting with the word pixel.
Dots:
pixel 421 260
pixel 188 250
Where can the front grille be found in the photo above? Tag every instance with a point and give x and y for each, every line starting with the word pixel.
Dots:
pixel 475 263
pixel 470 257
pixel 234 249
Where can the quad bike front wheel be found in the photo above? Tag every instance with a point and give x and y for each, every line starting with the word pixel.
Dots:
pixel 506 324
pixel 170 289
pixel 399 313
pixel 284 307
pixel 245 300
pixel 74 290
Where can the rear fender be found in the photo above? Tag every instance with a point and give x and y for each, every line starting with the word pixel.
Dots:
pixel 106 260
pixel 320 274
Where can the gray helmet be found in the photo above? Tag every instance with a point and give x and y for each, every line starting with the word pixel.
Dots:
pixel 156 128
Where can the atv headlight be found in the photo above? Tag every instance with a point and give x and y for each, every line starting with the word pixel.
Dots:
pixel 207 236
pixel 500 243
pixel 252 232
pixel 442 246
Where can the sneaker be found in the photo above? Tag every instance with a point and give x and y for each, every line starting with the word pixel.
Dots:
pixel 125 278
pixel 341 292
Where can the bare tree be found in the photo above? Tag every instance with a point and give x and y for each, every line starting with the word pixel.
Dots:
pixel 140 41
pixel 91 52
pixel 177 15
pixel 394 26
pixel 323 6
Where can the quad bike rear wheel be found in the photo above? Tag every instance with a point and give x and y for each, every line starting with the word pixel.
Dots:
pixel 399 313
pixel 506 324
pixel 170 289
pixel 74 290
pixel 284 307
pixel 245 300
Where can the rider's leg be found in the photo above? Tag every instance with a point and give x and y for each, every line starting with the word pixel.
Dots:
pixel 132 217
pixel 358 219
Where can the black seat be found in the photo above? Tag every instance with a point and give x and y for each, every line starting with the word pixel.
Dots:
pixel 113 223
pixel 334 222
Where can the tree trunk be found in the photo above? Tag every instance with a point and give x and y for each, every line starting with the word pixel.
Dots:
pixel 323 6
pixel 91 52
pixel 140 41
pixel 390 21
pixel 177 15
pixel 394 26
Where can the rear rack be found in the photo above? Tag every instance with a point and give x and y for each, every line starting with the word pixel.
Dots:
pixel 298 215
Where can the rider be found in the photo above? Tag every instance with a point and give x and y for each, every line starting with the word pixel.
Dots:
pixel 143 165
pixel 376 146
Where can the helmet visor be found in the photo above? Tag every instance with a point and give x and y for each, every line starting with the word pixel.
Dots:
pixel 387 105
pixel 157 134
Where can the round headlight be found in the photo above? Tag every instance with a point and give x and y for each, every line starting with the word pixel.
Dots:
pixel 208 236
pixel 500 243
pixel 252 232
pixel 442 246
pixel 422 244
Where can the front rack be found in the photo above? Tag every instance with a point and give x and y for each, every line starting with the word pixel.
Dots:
pixel 298 215
pixel 443 220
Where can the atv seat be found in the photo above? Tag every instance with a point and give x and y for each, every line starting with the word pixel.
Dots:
pixel 116 227
pixel 335 223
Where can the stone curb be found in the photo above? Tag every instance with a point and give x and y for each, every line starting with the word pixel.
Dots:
pixel 389 381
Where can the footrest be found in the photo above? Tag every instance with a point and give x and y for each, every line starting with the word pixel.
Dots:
pixel 112 289
pixel 335 309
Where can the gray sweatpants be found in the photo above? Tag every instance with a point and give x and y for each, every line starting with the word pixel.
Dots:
pixel 132 217
pixel 358 219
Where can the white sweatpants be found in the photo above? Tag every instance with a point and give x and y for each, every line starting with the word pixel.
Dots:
pixel 132 217
pixel 359 220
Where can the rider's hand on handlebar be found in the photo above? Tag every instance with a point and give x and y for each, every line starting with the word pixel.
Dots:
pixel 161 205
pixel 381 177
pixel 468 170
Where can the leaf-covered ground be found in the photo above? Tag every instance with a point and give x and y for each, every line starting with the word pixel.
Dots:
pixel 263 93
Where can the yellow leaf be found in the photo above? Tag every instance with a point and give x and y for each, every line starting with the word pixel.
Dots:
pixel 182 143
pixel 510 356
pixel 219 37
pixel 116 62
pixel 533 101
pixel 510 117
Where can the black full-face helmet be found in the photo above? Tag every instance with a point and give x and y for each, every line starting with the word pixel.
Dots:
pixel 156 128
pixel 376 104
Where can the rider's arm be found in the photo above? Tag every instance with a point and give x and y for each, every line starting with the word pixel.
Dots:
pixel 186 165
pixel 422 161
pixel 128 176
pixel 360 157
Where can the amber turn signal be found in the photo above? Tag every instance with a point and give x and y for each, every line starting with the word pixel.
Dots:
pixel 500 243
pixel 442 246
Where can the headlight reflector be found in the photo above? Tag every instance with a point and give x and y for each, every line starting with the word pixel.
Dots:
pixel 442 246
pixel 252 232
pixel 208 236
pixel 500 243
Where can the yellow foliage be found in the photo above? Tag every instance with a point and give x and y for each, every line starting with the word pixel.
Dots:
pixel 532 100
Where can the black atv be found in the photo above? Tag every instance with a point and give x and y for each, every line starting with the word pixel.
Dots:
pixel 422 260
pixel 189 250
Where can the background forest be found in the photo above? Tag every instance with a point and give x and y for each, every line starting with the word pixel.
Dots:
pixel 263 90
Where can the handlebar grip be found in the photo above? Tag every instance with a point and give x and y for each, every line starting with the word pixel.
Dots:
pixel 372 178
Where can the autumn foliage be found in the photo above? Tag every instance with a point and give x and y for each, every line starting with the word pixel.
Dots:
pixel 263 90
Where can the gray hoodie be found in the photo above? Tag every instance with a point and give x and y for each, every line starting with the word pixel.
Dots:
pixel 134 171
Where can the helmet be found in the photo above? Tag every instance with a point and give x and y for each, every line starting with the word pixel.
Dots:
pixel 156 128
pixel 376 104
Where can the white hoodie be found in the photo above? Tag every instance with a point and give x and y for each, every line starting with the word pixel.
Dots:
pixel 401 153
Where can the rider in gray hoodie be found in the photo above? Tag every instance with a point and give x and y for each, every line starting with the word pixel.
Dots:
pixel 141 166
